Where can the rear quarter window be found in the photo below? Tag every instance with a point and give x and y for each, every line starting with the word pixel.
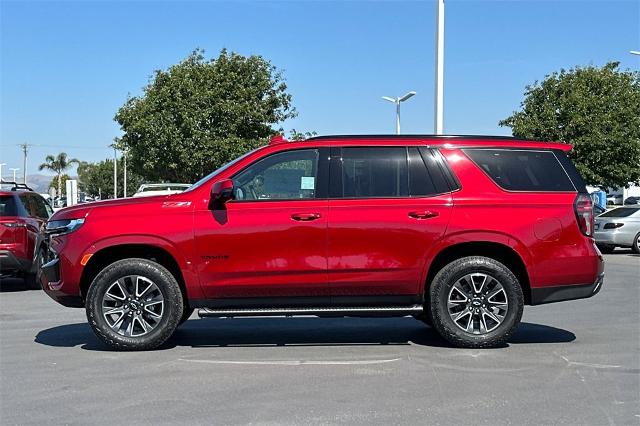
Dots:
pixel 622 212
pixel 522 170
pixel 8 206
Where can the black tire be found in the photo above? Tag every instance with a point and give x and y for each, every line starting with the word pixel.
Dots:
pixel 31 281
pixel 166 284
pixel 448 276
pixel 605 249
pixel 186 314
pixel 635 247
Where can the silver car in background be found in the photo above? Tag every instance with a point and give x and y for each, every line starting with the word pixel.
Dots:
pixel 619 227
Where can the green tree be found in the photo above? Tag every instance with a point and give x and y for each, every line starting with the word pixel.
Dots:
pixel 294 135
pixel 97 178
pixel 597 110
pixel 200 114
pixel 54 182
pixel 58 164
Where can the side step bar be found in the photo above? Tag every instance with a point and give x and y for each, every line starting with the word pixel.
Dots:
pixel 362 311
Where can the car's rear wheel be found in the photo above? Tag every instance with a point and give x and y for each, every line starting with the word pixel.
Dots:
pixel 476 302
pixel 134 304
pixel 31 278
pixel 636 244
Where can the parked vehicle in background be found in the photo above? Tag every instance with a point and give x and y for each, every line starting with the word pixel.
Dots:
pixel 23 216
pixel 151 189
pixel 597 210
pixel 632 201
pixel 619 227
pixel 614 199
pixel 460 232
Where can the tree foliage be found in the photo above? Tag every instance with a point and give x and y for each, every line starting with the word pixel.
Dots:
pixel 58 164
pixel 63 184
pixel 200 114
pixel 597 110
pixel 97 178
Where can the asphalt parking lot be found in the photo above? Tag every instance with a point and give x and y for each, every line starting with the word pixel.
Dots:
pixel 569 363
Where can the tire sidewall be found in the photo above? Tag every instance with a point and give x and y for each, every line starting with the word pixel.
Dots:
pixel 172 310
pixel 449 275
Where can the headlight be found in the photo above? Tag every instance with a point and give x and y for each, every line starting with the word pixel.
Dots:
pixel 59 227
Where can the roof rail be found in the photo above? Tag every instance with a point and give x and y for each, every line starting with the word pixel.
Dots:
pixel 15 185
pixel 414 136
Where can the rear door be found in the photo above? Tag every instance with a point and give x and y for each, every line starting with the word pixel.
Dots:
pixel 387 207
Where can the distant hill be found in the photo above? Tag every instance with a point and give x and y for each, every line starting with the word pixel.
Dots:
pixel 39 183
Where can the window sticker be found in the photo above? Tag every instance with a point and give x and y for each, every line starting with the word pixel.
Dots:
pixel 307 182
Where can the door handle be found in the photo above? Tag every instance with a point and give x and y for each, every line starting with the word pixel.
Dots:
pixel 305 217
pixel 426 214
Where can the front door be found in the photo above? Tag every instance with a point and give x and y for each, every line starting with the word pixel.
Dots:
pixel 271 240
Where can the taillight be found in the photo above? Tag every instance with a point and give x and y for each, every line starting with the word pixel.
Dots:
pixel 612 225
pixel 583 209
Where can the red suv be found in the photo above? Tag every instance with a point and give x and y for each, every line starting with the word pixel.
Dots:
pixel 23 215
pixel 460 232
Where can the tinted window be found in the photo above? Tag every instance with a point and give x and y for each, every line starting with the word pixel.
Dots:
pixel 421 178
pixel 40 206
pixel 374 172
pixel 283 176
pixel 26 203
pixel 621 212
pixel 8 206
pixel 522 170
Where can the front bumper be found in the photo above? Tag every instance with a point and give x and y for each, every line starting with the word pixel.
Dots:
pixel 50 279
pixel 543 295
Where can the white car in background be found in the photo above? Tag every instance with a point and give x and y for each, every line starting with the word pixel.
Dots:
pixel 150 189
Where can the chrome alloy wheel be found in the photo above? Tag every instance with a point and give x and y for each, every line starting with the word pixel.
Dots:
pixel 477 303
pixel 133 306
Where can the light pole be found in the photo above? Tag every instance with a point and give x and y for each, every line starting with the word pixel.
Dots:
pixel 438 113
pixel 124 159
pixel 398 101
pixel 115 173
pixel 1 164
pixel 14 170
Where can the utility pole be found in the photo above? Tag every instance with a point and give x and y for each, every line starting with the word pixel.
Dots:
pixel 25 150
pixel 124 158
pixel 439 86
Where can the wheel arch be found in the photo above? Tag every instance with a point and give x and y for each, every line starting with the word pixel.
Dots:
pixel 107 255
pixel 501 252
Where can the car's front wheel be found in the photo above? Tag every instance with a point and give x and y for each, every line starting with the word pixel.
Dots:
pixel 134 304
pixel 476 302
pixel 636 244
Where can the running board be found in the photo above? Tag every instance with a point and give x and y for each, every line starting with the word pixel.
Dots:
pixel 363 311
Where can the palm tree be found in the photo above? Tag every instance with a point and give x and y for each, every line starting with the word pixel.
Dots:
pixel 58 164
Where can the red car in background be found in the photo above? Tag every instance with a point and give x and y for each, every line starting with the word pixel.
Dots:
pixel 460 232
pixel 23 216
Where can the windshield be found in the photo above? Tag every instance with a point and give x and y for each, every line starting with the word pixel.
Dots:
pixel 219 170
pixel 621 212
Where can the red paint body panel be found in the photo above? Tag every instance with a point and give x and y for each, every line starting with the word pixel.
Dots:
pixel 350 247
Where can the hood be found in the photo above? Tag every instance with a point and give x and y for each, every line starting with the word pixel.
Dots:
pixel 82 210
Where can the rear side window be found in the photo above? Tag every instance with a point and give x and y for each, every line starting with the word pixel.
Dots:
pixel 426 177
pixel 374 172
pixel 8 206
pixel 522 170
pixel 622 212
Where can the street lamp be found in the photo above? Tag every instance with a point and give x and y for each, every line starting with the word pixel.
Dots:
pixel 397 101
pixel 438 112
pixel 1 164
pixel 635 52
pixel 14 170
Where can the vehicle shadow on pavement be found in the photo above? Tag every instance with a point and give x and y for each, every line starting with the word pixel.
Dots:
pixel 11 284
pixel 265 332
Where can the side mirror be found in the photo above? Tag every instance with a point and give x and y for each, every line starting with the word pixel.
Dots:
pixel 221 192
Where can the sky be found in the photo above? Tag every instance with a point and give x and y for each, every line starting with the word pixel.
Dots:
pixel 66 67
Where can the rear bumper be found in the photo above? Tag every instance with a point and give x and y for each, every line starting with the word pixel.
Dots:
pixel 9 262
pixel 544 295
pixel 50 279
pixel 614 238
